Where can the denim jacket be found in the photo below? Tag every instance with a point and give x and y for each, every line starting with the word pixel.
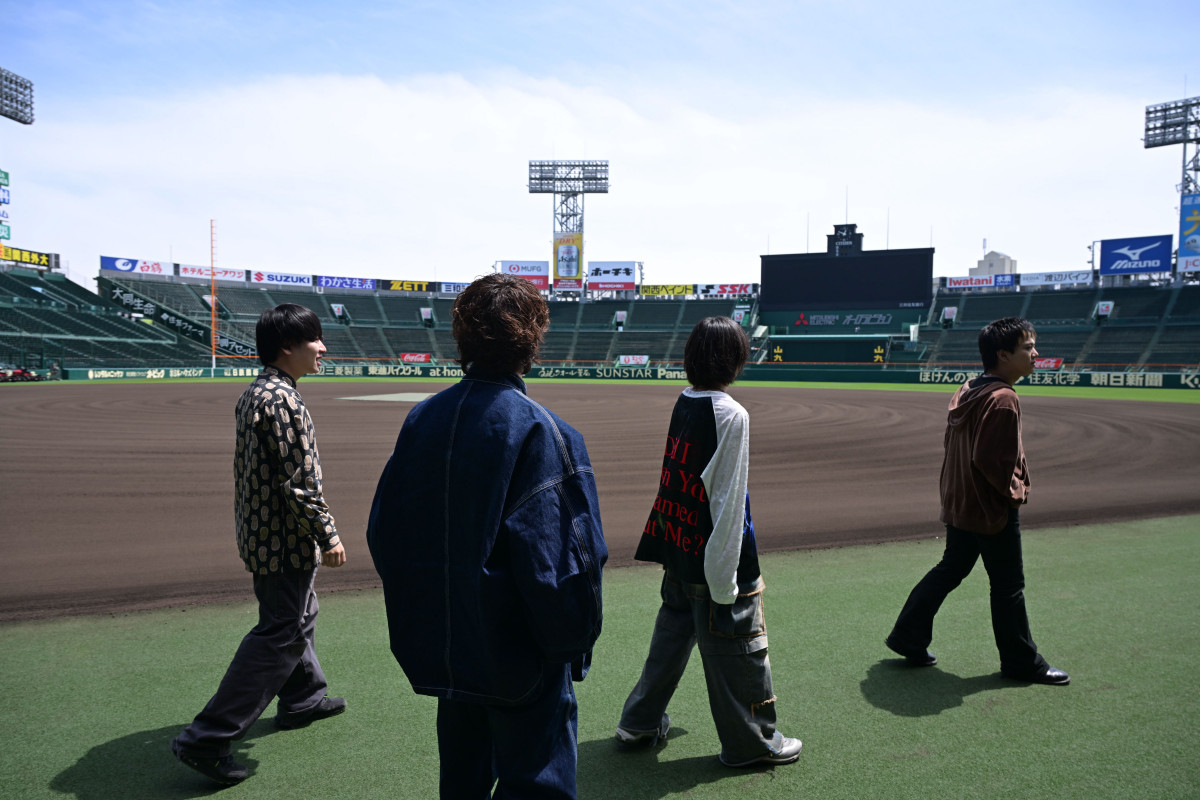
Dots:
pixel 485 531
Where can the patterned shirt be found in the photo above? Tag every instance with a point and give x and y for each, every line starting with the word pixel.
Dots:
pixel 281 516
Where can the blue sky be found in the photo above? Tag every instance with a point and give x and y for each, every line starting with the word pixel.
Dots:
pixel 391 139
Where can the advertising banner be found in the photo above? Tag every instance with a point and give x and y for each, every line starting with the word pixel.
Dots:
pixel 980 282
pixel 1189 233
pixel 667 289
pixel 536 272
pixel 280 279
pixel 1047 363
pixel 406 286
pixel 1056 278
pixel 618 276
pixel 31 257
pixel 339 282
pixel 633 361
pixel 840 322
pixel 416 358
pixel 726 289
pixel 221 274
pixel 134 265
pixel 453 288
pixel 568 260
pixel 1139 254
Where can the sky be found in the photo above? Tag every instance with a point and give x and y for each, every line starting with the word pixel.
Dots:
pixel 379 139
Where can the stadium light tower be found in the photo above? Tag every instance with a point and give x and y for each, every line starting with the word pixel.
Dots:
pixel 16 97
pixel 568 181
pixel 1178 122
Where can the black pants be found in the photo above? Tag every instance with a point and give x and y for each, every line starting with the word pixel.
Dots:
pixel 275 658
pixel 1001 554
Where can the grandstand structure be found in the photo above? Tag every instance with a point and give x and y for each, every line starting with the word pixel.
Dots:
pixel 163 320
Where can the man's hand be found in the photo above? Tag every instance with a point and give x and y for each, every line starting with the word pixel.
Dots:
pixel 334 556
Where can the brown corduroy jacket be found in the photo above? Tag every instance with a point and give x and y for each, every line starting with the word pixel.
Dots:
pixel 984 472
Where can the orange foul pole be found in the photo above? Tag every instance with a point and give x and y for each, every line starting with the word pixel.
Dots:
pixel 212 278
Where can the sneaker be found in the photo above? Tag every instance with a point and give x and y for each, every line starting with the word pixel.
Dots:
pixel 789 751
pixel 630 738
pixel 224 770
pixel 328 707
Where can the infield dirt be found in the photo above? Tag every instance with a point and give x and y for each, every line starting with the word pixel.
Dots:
pixel 119 497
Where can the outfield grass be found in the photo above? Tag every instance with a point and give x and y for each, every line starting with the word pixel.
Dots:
pixel 93 701
pixel 1092 392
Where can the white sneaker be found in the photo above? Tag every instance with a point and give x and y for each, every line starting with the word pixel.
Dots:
pixel 630 738
pixel 789 751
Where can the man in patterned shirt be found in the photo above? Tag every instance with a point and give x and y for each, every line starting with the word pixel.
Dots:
pixel 284 531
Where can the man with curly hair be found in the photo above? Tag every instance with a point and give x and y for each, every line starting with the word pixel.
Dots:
pixel 485 531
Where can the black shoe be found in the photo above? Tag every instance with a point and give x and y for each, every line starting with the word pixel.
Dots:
pixel 1051 677
pixel 916 658
pixel 328 707
pixel 224 770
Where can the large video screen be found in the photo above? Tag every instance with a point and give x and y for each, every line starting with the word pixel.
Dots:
pixel 880 280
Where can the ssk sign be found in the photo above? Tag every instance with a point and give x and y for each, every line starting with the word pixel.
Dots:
pixel 726 288
pixel 1140 254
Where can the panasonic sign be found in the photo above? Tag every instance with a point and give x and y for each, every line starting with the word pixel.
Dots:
pixel 1140 254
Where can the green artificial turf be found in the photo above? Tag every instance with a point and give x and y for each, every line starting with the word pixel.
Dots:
pixel 92 702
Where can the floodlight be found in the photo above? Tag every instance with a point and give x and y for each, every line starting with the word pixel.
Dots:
pixel 16 97
pixel 1176 122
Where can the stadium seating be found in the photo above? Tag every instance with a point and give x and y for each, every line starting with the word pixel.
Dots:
pixel 44 316
pixel 1061 308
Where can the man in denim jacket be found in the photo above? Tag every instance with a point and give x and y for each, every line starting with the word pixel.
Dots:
pixel 485 530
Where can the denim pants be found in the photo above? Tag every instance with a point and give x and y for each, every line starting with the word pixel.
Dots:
pixel 733 649
pixel 1001 553
pixel 275 658
pixel 529 751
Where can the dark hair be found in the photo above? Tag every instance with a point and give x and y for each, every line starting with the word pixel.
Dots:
pixel 1003 334
pixel 715 352
pixel 499 321
pixel 284 325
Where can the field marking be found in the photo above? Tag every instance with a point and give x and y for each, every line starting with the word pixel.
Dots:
pixel 403 397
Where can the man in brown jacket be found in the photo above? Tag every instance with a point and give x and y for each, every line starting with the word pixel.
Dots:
pixel 984 481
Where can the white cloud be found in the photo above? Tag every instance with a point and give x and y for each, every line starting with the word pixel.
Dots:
pixel 424 178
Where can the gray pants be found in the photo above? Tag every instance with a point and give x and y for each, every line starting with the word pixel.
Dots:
pixel 733 648
pixel 275 658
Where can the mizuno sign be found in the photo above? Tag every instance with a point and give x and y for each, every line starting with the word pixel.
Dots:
pixel 1142 254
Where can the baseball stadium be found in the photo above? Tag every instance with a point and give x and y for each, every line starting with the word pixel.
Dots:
pixel 124 595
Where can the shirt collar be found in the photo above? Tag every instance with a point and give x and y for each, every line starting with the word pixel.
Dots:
pixel 272 370
pixel 478 373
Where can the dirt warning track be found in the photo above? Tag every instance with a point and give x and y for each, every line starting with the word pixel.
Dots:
pixel 119 497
